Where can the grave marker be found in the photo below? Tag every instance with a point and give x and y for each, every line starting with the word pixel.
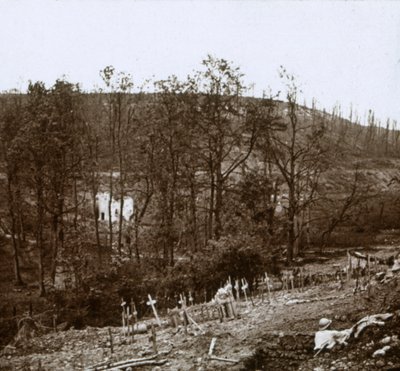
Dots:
pixel 151 303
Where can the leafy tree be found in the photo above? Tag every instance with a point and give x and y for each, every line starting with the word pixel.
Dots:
pixel 11 121
pixel 226 132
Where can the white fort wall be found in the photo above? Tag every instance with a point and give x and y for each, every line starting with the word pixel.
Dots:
pixel 103 200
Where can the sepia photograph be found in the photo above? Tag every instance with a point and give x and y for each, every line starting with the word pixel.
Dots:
pixel 197 185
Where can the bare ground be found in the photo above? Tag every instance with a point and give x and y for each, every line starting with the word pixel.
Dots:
pixel 269 335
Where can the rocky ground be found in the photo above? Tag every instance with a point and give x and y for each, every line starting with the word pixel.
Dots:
pixel 273 334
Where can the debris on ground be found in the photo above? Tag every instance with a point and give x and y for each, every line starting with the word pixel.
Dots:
pixel 268 334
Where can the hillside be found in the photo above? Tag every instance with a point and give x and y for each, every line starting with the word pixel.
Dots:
pixel 271 332
pixel 223 188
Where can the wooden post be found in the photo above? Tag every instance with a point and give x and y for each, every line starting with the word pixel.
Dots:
pixel 302 279
pixel 182 302
pixel 237 289
pixel 153 339
pixel 128 321
pixel 268 288
pixel 244 288
pixel 134 318
pixel 291 278
pixel 55 322
pixel 368 267
pixel 111 341
pixel 123 316
pixel 349 264
pixel 221 313
pixel 151 302
pixel 191 298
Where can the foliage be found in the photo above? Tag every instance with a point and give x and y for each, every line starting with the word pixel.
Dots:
pixel 221 182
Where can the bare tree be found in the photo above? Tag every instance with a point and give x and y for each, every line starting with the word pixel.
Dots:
pixel 298 154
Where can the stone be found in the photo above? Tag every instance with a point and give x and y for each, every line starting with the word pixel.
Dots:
pixel 380 363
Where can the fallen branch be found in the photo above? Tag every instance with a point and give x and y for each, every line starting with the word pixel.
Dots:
pixel 141 363
pixel 214 358
pixel 212 345
pixel 107 364
pixel 194 322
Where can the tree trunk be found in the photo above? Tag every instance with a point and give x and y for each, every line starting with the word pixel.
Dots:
pixel 54 237
pixel 96 224
pixel 110 224
pixel 218 202
pixel 137 252
pixel 291 227
pixel 121 219
pixel 15 241
pixel 39 234
pixel 211 208
pixel 193 209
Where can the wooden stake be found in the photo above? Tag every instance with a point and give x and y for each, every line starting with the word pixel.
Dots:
pixel 153 339
pixel 55 322
pixel 221 313
pixel 134 319
pixel 111 341
pixel 237 289
pixel 128 322
pixel 291 278
pixel 268 288
pixel 123 316
pixel 301 279
pixel 244 288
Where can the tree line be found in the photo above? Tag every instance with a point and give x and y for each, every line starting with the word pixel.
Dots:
pixel 203 162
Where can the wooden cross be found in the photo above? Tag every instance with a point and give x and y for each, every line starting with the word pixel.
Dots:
pixel 151 302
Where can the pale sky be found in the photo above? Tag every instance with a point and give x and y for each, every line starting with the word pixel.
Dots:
pixel 344 51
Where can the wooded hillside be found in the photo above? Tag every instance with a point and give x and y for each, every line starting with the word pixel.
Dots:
pixel 216 177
